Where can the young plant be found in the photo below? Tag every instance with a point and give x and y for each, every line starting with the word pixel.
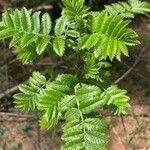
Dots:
pixel 95 39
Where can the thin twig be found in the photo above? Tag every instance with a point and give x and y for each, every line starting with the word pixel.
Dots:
pixel 128 72
pixel 9 92
pixel 46 7
pixel 123 124
pixel 137 73
pixel 9 63
pixel 15 88
pixel 147 15
pixel 131 68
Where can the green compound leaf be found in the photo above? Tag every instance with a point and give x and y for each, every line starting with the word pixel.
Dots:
pixel 59 46
pixel 51 96
pixel 84 133
pixel 75 9
pixel 30 37
pixel 116 100
pixel 27 99
pixel 60 26
pixel 128 9
pixel 109 37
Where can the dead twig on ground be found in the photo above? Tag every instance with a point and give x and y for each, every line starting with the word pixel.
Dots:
pixel 9 92
pixel 15 88
pixel 136 131
pixel 12 117
pixel 15 115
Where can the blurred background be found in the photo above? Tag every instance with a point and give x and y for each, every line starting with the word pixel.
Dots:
pixel 21 131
